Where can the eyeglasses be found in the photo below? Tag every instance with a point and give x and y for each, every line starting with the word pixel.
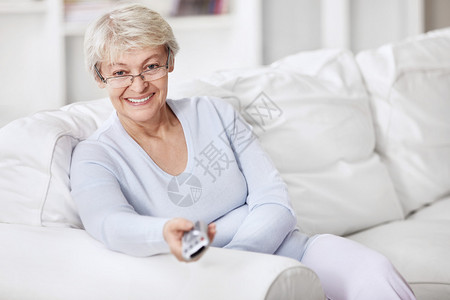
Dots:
pixel 153 73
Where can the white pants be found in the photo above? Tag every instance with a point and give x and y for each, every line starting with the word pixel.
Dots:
pixel 348 270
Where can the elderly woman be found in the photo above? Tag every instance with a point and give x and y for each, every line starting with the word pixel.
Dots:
pixel 142 178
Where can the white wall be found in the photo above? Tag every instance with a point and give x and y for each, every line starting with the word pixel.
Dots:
pixel 290 26
pixel 81 84
pixel 437 14
pixel 297 25
pixel 30 60
pixel 374 23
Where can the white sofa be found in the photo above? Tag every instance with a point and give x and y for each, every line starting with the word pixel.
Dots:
pixel 363 142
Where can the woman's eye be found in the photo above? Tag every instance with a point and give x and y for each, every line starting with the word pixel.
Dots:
pixel 152 66
pixel 119 73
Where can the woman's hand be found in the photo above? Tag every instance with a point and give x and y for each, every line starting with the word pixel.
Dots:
pixel 173 233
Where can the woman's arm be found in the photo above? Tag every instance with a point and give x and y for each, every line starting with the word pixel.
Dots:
pixel 264 229
pixel 270 217
pixel 105 212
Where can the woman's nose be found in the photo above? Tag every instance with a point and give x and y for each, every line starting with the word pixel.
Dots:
pixel 139 84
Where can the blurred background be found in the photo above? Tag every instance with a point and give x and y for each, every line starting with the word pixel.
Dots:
pixel 41 41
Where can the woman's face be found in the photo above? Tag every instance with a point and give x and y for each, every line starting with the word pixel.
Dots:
pixel 142 101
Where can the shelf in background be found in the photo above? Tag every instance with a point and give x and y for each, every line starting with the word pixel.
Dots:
pixel 223 21
pixel 23 7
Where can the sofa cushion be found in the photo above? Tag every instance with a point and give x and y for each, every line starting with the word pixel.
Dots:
pixel 409 83
pixel 35 155
pixel 419 249
pixel 439 210
pixel 311 114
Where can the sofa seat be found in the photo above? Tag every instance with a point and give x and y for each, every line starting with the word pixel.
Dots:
pixel 64 263
pixel 419 247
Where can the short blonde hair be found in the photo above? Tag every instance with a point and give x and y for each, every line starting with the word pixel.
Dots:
pixel 129 26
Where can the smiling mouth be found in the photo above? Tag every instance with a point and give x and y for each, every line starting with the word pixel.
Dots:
pixel 142 100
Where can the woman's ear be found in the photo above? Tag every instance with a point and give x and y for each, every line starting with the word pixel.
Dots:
pixel 100 83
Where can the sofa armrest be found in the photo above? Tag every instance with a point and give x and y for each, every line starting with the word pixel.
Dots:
pixel 63 263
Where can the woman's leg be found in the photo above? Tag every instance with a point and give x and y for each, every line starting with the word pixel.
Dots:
pixel 348 270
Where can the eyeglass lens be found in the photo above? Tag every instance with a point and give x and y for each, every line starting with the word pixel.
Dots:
pixel 148 75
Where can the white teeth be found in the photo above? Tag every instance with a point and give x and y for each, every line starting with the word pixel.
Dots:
pixel 139 100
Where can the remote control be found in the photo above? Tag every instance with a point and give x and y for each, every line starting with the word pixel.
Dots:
pixel 195 242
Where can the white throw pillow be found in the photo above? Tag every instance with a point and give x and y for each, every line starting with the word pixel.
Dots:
pixel 311 114
pixel 409 83
pixel 35 154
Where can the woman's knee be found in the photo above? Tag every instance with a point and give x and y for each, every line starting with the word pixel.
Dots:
pixel 349 270
pixel 379 264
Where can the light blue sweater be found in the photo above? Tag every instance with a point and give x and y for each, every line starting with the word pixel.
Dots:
pixel 124 198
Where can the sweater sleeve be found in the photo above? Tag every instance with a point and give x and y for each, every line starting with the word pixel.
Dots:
pixel 105 212
pixel 270 211
pixel 264 229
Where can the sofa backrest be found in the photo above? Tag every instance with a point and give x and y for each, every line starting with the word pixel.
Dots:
pixel 409 83
pixel 35 155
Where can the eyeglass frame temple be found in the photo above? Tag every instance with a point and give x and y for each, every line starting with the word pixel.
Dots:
pixel 99 75
pixel 103 79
